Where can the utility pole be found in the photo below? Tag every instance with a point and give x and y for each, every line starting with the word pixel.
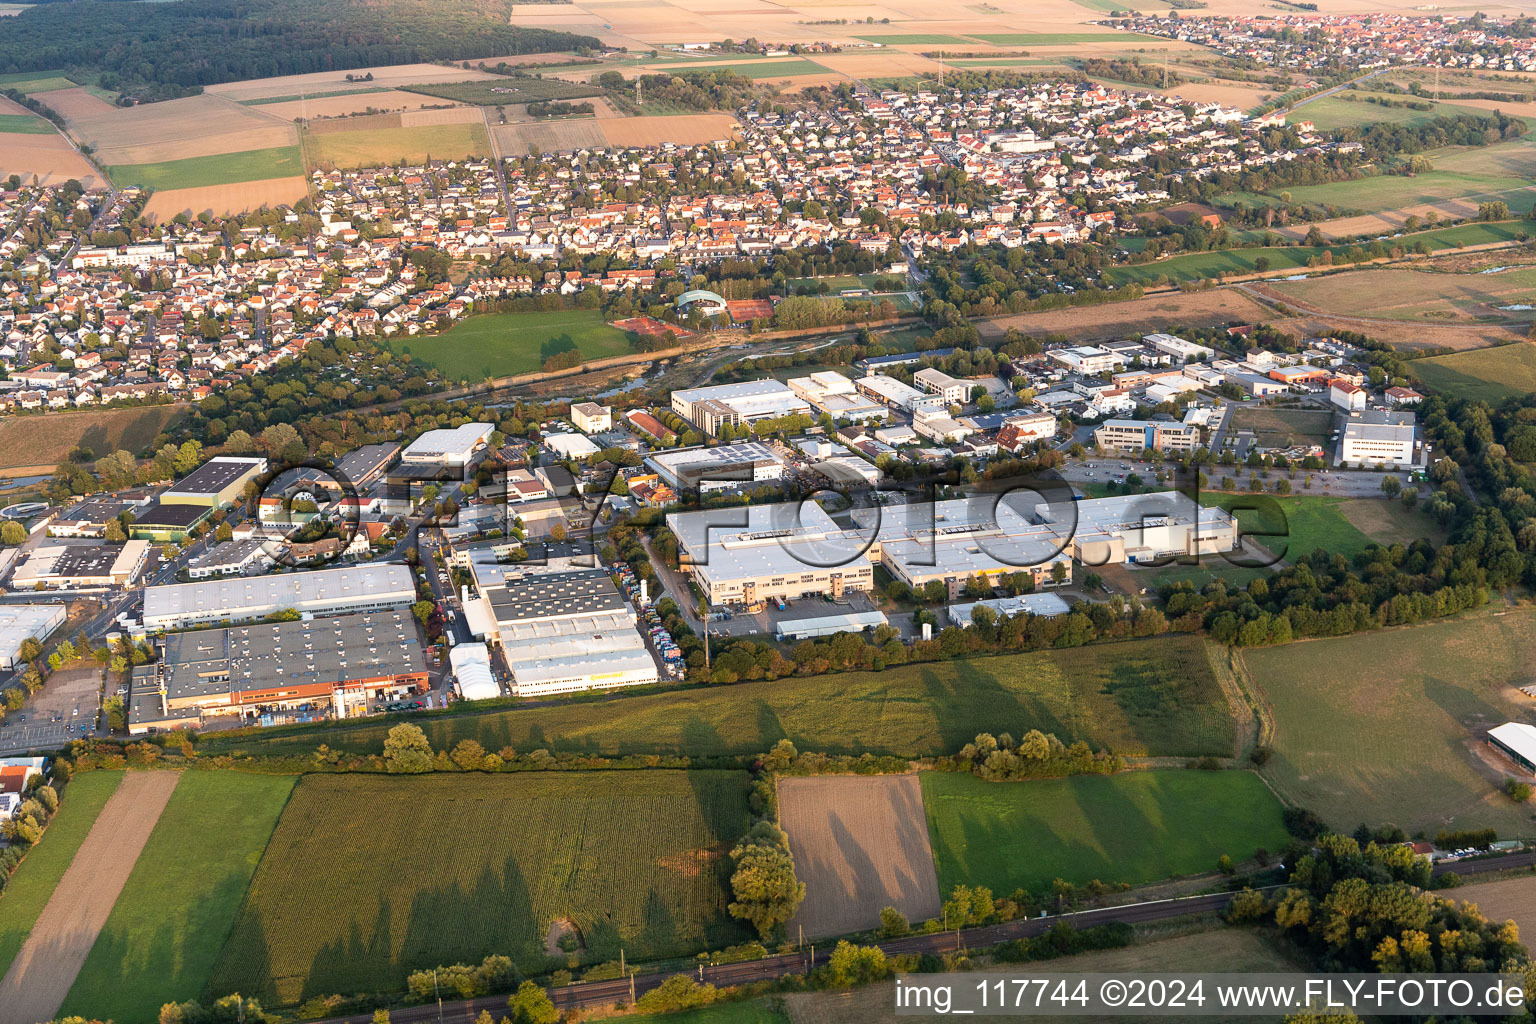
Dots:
pixel 439 996
pixel 631 988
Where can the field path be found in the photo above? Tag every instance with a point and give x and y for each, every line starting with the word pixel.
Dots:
pixel 42 973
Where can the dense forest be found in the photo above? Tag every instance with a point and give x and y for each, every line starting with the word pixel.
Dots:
pixel 158 50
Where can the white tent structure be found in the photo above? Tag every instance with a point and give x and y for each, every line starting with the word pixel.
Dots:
pixel 472 668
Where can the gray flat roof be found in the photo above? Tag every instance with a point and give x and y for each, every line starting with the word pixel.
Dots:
pixel 214 475
pixel 253 596
pixel 573 592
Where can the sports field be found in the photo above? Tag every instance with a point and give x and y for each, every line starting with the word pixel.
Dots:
pixel 1135 827
pixel 1153 696
pixel 502 344
pixel 1387 726
pixel 386 146
pixel 24 124
pixel 1304 523
pixel 368 877
pixel 165 930
pixel 1490 374
pixel 34 881
pixel 223 169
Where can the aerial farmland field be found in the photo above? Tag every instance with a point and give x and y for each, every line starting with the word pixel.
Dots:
pixel 1402 742
pixel 384 146
pixel 369 877
pixel 161 938
pixel 1491 374
pixel 1136 827
pixel 1154 696
pixel 222 169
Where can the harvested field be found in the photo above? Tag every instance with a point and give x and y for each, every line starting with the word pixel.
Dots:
pixel 1228 94
pixel 180 129
pixel 636 860
pixel 1411 294
pixel 441 115
pixel 876 65
pixel 385 77
pixel 10 106
pixel 227 199
pixel 1403 741
pixel 1139 316
pixel 395 145
pixel 1509 899
pixel 680 128
pixel 42 973
pixel 548 137
pixel 46 439
pixel 362 123
pixel 49 156
pixel 1389 522
pixel 860 845
pixel 78 103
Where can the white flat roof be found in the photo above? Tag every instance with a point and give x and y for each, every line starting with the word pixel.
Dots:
pixel 460 440
pixel 766 541
pixel 1517 736
pixel 543 670
pixel 20 621
pixel 317 590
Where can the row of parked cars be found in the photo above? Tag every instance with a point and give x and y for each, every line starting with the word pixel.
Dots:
pixel 661 638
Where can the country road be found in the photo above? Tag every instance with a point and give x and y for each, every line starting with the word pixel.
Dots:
pixel 606 993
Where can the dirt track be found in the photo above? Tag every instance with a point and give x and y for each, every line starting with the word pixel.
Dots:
pixel 860 845
pixel 42 973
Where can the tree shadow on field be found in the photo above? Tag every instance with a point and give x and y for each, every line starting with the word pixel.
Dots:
pixel 770 729
pixel 976 701
pixel 701 737
pixel 556 345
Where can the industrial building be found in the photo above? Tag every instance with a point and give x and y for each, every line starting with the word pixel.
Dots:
pixel 472 672
pixel 936 382
pixel 363 467
pixel 20 622
pixel 1180 349
pixel 65 566
pixel 216 483
pixel 710 408
pixel 1374 438
pixel 453 448
pixel 591 418
pixel 89 518
pixel 342 665
pixel 350 589
pixel 1089 360
pixel 1019 604
pixel 1139 527
pixel 749 555
pixel 898 395
pixel 162 522
pixel 832 393
pixel 232 559
pixel 563 631
pixel 1158 435
pixel 726 465
pixel 952 541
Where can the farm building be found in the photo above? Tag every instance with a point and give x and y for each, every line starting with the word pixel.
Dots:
pixel 353 588
pixel 343 665
pixel 1517 741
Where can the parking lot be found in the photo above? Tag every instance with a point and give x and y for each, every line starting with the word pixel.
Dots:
pixel 67 708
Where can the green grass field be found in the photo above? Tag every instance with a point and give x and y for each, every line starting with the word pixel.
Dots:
pixel 30 82
pixel 1503 171
pixel 1134 827
pixel 1304 524
pixel 1333 112
pixel 38 875
pixel 180 903
pixel 754 1011
pixel 1063 38
pixel 224 169
pixel 502 344
pixel 1155 696
pixel 916 39
pixel 1490 374
pixel 369 877
pixel 1280 427
pixel 1197 265
pixel 1385 726
pixel 264 100
pixel 512 90
pixel 24 124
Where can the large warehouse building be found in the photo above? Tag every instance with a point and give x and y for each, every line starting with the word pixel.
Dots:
pixel 955 540
pixel 215 483
pixel 343 665
pixel 353 588
pixel 452 449
pixel 1140 527
pixel 745 556
pixel 20 622
pixel 566 631
pixel 710 408
pixel 67 566
pixel 1380 438
pixel 725 465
